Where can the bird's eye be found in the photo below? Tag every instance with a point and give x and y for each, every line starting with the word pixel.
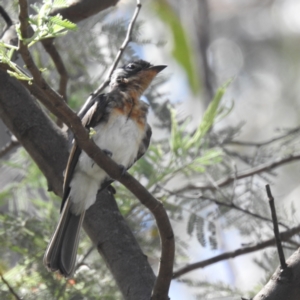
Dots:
pixel 131 66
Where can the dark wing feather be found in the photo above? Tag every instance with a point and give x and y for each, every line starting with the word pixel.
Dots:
pixel 90 119
pixel 144 145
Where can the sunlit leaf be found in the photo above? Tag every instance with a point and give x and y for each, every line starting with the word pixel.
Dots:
pixel 209 117
pixel 182 50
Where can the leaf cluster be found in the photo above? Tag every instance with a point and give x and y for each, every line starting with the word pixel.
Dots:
pixel 44 25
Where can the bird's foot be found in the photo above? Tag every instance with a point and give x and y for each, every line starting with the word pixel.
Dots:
pixel 111 189
pixel 123 170
pixel 107 152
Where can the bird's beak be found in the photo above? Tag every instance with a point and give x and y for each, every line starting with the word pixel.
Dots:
pixel 146 76
pixel 157 69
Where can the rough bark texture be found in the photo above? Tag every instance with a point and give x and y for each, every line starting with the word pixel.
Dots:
pixel 283 285
pixel 79 10
pixel 104 224
pixel 42 139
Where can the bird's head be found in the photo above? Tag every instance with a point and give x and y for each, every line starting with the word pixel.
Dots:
pixel 136 75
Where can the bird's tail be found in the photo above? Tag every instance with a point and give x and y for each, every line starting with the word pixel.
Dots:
pixel 62 249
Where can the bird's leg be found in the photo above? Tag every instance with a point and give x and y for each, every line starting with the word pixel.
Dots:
pixel 111 189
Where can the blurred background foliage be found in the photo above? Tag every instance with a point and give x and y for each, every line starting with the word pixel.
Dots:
pixel 203 131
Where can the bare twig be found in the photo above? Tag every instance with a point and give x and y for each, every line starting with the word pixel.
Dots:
pixel 241 251
pixel 297 245
pixel 244 174
pixel 9 35
pixel 6 18
pixel 9 146
pixel 58 107
pixel 60 67
pixel 59 64
pixel 221 203
pixel 86 255
pixel 128 38
pixel 10 287
pixel 283 264
pixel 245 211
pixel 253 144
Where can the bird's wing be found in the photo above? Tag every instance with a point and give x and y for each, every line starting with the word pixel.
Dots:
pixel 90 119
pixel 144 144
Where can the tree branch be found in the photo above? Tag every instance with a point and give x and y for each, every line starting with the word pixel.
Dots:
pixel 105 225
pixel 283 284
pixel 261 144
pixel 234 206
pixel 41 138
pixel 61 69
pixel 79 10
pixel 12 291
pixel 6 18
pixel 59 64
pixel 241 251
pixel 243 174
pixel 276 230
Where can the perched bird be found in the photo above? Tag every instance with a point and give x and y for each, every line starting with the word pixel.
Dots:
pixel 118 120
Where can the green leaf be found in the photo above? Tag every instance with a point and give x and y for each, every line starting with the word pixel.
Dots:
pixel 175 136
pixel 191 223
pixel 209 117
pixel 59 4
pixel 182 51
pixel 63 23
pixel 200 231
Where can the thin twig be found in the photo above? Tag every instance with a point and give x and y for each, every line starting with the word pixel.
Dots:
pixel 86 255
pixel 61 69
pixel 9 146
pixel 10 287
pixel 241 251
pixel 253 144
pixel 245 211
pixel 6 18
pixel 244 174
pixel 221 203
pixel 297 245
pixel 128 38
pixel 59 64
pixel 283 264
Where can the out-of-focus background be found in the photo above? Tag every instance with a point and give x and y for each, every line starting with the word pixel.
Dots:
pixel 205 43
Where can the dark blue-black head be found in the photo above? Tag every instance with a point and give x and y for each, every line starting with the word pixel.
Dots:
pixel 136 74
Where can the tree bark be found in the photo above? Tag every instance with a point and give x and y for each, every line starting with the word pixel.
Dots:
pixel 79 10
pixel 284 284
pixel 43 140
pixel 105 225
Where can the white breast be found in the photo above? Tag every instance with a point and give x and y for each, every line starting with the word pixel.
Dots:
pixel 119 135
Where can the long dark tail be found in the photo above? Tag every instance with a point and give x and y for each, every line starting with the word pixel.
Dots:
pixel 62 249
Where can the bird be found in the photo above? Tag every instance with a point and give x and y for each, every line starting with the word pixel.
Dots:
pixel 117 122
